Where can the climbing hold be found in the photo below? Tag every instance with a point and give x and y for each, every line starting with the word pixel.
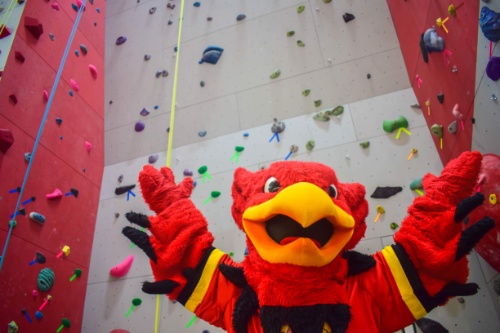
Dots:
pixel 452 128
pixel 170 6
pixel 19 57
pixel 6 139
pixel 77 53
pixel 40 259
pixel 493 199
pixel 187 173
pixel 432 41
pixel 236 155
pixel 327 1
pixel 120 40
pixel 290 33
pixel 27 157
pixel 37 217
pixel 153 158
pixel 45 96
pixel 120 178
pixel 452 10
pixel 122 268
pixel 197 4
pixel 74 85
pixel 164 73
pixel 380 210
pixel 144 112
pixel 202 84
pixel 88 146
pixel 139 126
pixel 293 149
pixel 12 223
pixel 158 74
pixel 300 43
pixel 12 327
pixel 364 144
pixel 147 57
pixel 489 22
pixel 391 125
pixel 71 93
pixel 209 18
pixel 278 126
pixel 213 195
pixel 437 130
pixel 45 279
pixel 56 194
pixel 203 170
pixel 93 71
pixel 77 273
pixel 324 115
pixel 124 189
pixel 317 102
pixel 33 26
pixel 55 6
pixel 300 8
pixel 368 76
pixel 135 302
pixel 440 98
pixel 427 325
pixel 155 107
pixel 385 192
pixel 246 134
pixel 201 134
pixel 75 7
pixel 394 225
pixel 493 68
pixel 13 99
pixel 65 324
pixel 65 250
pixel 240 17
pixel 84 49
pixel 152 10
pixel 456 113
pixel 275 73
pixel 310 145
pixel 321 116
pixel 306 92
pixel 348 17
pixel 415 106
pixel 211 55
pixel 51 36
pixel 38 315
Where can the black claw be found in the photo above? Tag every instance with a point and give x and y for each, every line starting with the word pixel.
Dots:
pixel 472 235
pixel 139 219
pixel 141 239
pixel 455 289
pixel 234 274
pixel 467 205
pixel 160 287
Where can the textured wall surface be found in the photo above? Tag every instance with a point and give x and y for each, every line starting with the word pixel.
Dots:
pixel 61 161
pixel 239 97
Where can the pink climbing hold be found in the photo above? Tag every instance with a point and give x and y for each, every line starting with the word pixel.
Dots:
pixel 74 85
pixel 458 115
pixel 122 268
pixel 55 6
pixel 119 330
pixel 79 3
pixel 88 146
pixel 56 194
pixel 45 95
pixel 93 71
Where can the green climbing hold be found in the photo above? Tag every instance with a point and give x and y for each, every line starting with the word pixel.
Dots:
pixel 300 43
pixel 364 144
pixel 202 169
pixel 327 1
pixel 310 145
pixel 215 194
pixel 12 327
pixel 300 8
pixel 275 74
pixel 437 130
pixel 306 92
pixel 12 223
pixel 46 279
pixel 394 225
pixel 239 149
pixel 290 33
pixel 391 125
pixel 317 103
pixel 322 116
pixel 416 184
pixel 337 111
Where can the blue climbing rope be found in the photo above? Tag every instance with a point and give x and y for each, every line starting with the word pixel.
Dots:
pixel 42 125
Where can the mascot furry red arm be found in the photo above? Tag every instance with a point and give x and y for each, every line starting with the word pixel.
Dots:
pixel 301 274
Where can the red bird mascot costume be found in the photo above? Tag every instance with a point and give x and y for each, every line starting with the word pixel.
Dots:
pixel 301 274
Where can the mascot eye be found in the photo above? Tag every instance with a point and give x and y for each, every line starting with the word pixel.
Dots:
pixel 332 191
pixel 272 185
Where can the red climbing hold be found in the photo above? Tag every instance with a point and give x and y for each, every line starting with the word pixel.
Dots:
pixel 6 139
pixel 33 26
pixel 5 31
pixel 19 57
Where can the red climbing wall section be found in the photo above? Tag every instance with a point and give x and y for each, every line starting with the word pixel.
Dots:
pixel 411 19
pixel 61 161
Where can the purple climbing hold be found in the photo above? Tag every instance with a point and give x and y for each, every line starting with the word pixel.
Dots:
pixel 144 112
pixel 153 158
pixel 120 178
pixel 120 40
pixel 188 173
pixel 493 68
pixel 139 126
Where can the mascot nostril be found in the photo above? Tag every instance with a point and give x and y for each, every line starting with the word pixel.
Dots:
pixel 300 273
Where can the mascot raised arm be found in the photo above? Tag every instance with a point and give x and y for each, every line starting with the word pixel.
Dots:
pixel 301 274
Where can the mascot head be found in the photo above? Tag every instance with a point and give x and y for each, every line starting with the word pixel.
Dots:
pixel 298 213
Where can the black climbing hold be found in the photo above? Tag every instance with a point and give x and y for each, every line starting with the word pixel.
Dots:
pixel 368 76
pixel 58 121
pixel 440 98
pixel 152 10
pixel 170 22
pixel 164 73
pixel 110 102
pixel 210 18
pixel 240 17
pixel 202 84
pixel 120 40
pixel 84 49
pixel 385 192
pixel 74 191
pixel 123 189
pixel 147 57
pixel 348 17
pixel 430 326
pixel 473 120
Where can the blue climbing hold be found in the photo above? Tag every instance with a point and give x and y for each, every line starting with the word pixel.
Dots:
pixel 71 93
pixel 77 53
pixel 246 135
pixel 489 21
pixel 98 10
pixel 58 121
pixel 75 7
pixel 197 4
pixel 202 133
pixel 211 55
pixel 156 107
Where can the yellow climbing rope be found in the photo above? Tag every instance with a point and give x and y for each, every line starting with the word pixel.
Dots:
pixel 10 9
pixel 171 132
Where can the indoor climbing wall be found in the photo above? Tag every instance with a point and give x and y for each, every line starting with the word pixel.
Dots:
pixel 51 162
pixel 333 73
